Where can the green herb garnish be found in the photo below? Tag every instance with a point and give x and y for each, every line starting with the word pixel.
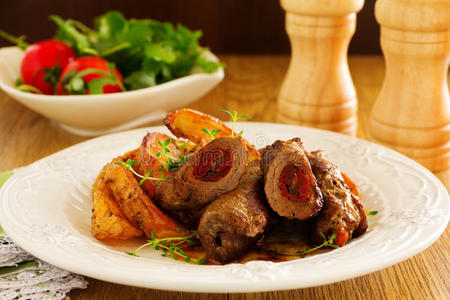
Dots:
pixel 146 52
pixel 372 213
pixel 184 146
pixel 325 243
pixel 21 86
pixel 19 41
pixel 212 134
pixel 28 89
pixel 234 118
pixel 171 164
pixel 73 81
pixel 129 163
pixel 170 247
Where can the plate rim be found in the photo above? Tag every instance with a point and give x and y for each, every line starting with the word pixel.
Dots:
pixel 245 286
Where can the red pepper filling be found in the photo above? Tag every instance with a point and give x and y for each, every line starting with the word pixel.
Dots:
pixel 213 165
pixel 294 184
pixel 342 236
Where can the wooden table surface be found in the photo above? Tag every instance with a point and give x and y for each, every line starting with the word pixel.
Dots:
pixel 250 86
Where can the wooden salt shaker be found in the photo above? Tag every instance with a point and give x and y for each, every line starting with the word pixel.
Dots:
pixel 318 90
pixel 412 112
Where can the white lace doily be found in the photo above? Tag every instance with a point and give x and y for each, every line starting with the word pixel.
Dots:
pixel 24 277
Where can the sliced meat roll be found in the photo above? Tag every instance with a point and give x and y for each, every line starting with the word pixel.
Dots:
pixel 342 213
pixel 289 183
pixel 236 220
pixel 212 171
pixel 189 218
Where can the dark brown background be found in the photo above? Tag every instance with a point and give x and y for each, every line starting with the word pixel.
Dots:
pixel 229 26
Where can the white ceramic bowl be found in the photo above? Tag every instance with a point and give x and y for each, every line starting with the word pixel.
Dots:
pixel 91 115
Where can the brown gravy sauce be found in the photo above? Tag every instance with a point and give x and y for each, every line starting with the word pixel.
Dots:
pixel 282 243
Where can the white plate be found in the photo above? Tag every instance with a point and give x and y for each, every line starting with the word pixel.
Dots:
pixel 91 115
pixel 46 209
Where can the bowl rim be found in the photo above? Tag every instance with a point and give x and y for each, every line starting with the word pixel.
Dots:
pixel 112 96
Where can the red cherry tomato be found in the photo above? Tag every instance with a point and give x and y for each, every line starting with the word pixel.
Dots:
pixel 67 85
pixel 43 62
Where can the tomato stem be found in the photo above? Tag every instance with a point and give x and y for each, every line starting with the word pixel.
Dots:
pixel 16 40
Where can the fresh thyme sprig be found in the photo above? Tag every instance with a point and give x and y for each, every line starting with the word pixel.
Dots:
pixel 212 134
pixel 170 247
pixel 184 145
pixel 325 243
pixel 171 163
pixel 164 149
pixel 129 163
pixel 234 118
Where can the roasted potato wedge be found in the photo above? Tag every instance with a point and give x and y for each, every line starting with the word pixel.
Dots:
pixel 150 146
pixel 187 123
pixel 150 160
pixel 107 221
pixel 136 205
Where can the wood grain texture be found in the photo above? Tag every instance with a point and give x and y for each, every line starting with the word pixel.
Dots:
pixel 251 86
pixel 318 90
pixel 412 111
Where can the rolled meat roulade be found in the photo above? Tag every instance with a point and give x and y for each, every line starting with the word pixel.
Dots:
pixel 212 171
pixel 149 161
pixel 342 213
pixel 236 220
pixel 289 183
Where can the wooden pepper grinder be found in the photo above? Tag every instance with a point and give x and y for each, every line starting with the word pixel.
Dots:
pixel 318 90
pixel 412 112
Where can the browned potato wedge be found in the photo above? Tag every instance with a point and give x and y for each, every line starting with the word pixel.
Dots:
pixel 149 159
pixel 136 205
pixel 107 221
pixel 150 146
pixel 187 123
